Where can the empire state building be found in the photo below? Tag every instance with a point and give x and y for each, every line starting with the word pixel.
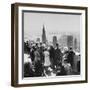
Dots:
pixel 43 35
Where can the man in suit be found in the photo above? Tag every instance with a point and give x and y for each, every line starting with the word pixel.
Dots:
pixel 58 55
pixel 71 56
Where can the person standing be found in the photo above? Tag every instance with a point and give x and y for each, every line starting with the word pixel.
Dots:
pixel 41 51
pixel 52 53
pixel 71 56
pixel 37 63
pixel 58 56
pixel 47 62
pixel 32 54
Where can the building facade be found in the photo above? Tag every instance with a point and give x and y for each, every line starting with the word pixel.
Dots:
pixel 43 35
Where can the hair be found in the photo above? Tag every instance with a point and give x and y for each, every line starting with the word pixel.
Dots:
pixel 57 44
pixel 40 43
pixel 70 48
pixel 36 44
pixel 45 49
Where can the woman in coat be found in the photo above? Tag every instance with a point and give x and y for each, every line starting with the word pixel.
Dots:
pixel 47 62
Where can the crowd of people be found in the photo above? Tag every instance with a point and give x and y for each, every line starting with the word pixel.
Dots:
pixel 48 60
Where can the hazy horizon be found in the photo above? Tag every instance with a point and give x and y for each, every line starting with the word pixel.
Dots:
pixel 55 24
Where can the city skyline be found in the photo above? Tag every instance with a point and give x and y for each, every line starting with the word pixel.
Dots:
pixel 63 41
pixel 61 24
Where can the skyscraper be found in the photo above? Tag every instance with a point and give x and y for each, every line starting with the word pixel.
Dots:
pixel 63 41
pixel 75 44
pixel 38 40
pixel 43 35
pixel 54 40
pixel 70 41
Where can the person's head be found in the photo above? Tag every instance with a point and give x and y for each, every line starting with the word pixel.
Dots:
pixel 57 45
pixel 31 44
pixel 51 47
pixel 45 49
pixel 65 49
pixel 34 48
pixel 70 49
pixel 36 44
pixel 40 44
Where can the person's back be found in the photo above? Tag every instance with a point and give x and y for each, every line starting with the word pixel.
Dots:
pixel 71 55
pixel 38 64
pixel 46 58
pixel 52 52
pixel 41 52
pixel 52 56
pixel 58 56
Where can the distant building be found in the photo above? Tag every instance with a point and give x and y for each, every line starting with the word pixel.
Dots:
pixel 75 44
pixel 38 40
pixel 63 41
pixel 43 35
pixel 66 41
pixel 70 41
pixel 54 40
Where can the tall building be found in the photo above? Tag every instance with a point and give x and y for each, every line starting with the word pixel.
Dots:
pixel 63 41
pixel 38 40
pixel 75 44
pixel 43 35
pixel 54 40
pixel 70 41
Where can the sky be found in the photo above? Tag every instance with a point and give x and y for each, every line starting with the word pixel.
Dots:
pixel 55 24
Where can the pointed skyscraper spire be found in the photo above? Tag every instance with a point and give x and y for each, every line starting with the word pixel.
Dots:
pixel 43 34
